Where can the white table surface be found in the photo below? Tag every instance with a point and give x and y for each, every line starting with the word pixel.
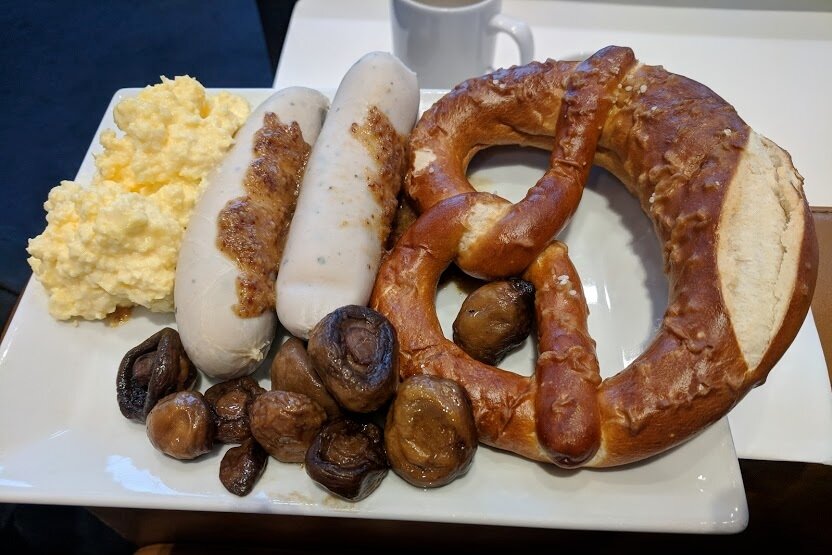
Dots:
pixel 772 65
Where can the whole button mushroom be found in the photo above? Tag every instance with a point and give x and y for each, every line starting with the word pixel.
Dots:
pixel 495 319
pixel 292 370
pixel 284 423
pixel 155 368
pixel 354 350
pixel 229 402
pixel 430 434
pixel 347 458
pixel 242 466
pixel 181 425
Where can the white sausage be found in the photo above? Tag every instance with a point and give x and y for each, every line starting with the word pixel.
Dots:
pixel 332 254
pixel 216 338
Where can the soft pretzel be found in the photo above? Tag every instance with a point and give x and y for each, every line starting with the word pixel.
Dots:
pixel 727 204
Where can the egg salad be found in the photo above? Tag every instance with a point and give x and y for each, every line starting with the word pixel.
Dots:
pixel 114 242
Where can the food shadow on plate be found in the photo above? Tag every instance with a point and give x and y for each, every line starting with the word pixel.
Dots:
pixel 160 319
pixel 642 238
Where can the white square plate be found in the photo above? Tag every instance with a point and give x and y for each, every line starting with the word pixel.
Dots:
pixel 64 441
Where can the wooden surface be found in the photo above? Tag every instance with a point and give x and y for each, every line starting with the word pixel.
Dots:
pixel 822 301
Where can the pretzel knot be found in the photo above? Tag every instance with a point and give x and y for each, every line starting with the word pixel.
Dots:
pixel 665 137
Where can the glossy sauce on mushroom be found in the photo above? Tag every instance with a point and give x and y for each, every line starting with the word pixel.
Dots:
pixel 229 402
pixel 292 371
pixel 157 367
pixel 284 423
pixel 242 466
pixel 181 426
pixel 430 434
pixel 495 319
pixel 354 350
pixel 347 458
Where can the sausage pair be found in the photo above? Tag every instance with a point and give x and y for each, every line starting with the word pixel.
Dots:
pixel 225 292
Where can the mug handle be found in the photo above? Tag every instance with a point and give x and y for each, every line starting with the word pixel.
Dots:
pixel 519 31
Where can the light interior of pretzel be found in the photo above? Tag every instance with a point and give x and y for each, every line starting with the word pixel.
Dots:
pixel 763 208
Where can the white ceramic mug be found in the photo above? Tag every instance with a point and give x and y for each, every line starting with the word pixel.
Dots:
pixel 448 41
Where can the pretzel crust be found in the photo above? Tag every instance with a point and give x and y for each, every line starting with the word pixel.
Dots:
pixel 678 148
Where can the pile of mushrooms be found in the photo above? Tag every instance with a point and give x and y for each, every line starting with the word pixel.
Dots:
pixel 328 400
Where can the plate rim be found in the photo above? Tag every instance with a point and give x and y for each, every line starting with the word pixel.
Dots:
pixel 736 523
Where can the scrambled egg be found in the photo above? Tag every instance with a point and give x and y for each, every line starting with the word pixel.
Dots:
pixel 115 243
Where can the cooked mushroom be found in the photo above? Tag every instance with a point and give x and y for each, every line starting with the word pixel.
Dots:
pixel 155 368
pixel 292 371
pixel 242 466
pixel 229 402
pixel 495 319
pixel 181 426
pixel 284 423
pixel 354 351
pixel 430 434
pixel 347 458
